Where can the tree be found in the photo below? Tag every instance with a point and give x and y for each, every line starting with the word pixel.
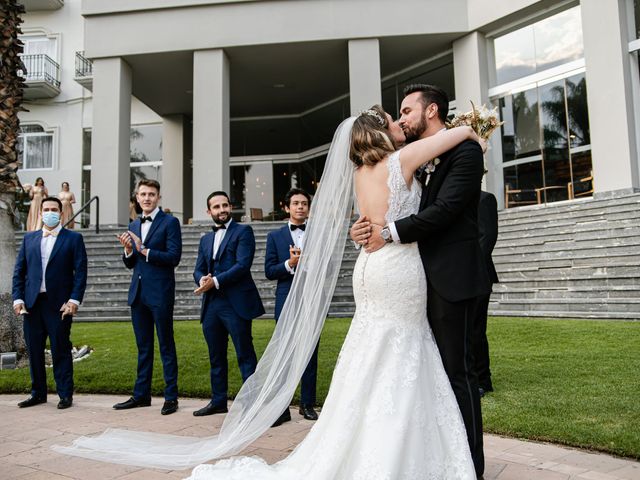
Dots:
pixel 11 90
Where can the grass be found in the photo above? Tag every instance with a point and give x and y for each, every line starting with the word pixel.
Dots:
pixel 573 382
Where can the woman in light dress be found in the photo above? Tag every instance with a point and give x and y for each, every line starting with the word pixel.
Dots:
pixel 390 413
pixel 67 198
pixel 37 193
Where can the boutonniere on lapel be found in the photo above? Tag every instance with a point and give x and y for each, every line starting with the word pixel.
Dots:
pixel 430 167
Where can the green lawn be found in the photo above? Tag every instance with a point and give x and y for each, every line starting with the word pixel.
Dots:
pixel 566 381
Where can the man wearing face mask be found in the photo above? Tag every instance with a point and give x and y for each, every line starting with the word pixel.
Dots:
pixel 230 299
pixel 49 280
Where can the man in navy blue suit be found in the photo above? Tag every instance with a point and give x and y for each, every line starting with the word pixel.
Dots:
pixel 230 299
pixel 281 260
pixel 49 280
pixel 152 249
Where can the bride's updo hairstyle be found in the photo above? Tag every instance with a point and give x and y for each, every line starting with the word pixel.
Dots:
pixel 370 140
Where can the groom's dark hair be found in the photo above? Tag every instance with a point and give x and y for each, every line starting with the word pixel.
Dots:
pixel 431 94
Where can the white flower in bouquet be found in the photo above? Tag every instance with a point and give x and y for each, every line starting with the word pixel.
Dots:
pixel 483 121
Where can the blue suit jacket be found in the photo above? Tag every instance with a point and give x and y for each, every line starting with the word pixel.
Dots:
pixel 232 269
pixel 66 275
pixel 155 275
pixel 278 243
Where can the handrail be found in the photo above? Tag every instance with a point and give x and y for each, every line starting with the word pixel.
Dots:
pixel 83 208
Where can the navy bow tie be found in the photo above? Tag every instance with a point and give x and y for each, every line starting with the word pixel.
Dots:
pixel 146 219
pixel 215 228
pixel 295 227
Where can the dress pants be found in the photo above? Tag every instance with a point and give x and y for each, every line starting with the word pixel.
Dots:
pixel 44 320
pixel 219 321
pixel 144 318
pixel 310 376
pixel 481 344
pixel 452 326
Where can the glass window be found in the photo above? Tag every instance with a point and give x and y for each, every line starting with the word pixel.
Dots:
pixel 534 48
pixel 526 128
pixel 35 147
pixel 579 133
pixel 237 188
pixel 146 143
pixel 144 172
pixel 555 117
pixel 521 184
pixel 515 55
pixel 86 147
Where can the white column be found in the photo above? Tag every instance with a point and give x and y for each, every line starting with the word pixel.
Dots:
pixel 364 74
pixel 110 139
pixel 210 127
pixel 610 96
pixel 471 72
pixel 173 165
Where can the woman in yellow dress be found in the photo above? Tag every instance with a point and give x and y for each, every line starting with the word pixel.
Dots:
pixel 37 193
pixel 68 199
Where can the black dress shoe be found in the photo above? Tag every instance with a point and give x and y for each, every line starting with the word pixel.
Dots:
pixel 308 412
pixel 65 403
pixel 133 403
pixel 210 409
pixel 31 401
pixel 285 417
pixel 169 407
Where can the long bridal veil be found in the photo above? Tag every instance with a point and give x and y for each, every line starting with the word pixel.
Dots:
pixel 266 394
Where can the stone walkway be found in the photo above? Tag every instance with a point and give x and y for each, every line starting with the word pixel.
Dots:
pixel 26 434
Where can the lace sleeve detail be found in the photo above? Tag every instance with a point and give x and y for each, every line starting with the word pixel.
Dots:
pixel 403 200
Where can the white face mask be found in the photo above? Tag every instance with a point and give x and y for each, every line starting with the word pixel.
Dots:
pixel 51 219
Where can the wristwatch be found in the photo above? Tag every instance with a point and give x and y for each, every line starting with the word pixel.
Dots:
pixel 385 233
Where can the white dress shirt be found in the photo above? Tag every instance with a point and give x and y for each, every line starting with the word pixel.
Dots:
pixel 297 236
pixel 217 241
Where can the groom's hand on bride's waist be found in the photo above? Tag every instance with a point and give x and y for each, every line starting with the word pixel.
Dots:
pixel 375 240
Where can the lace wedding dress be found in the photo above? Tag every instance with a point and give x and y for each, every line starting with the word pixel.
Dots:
pixel 390 413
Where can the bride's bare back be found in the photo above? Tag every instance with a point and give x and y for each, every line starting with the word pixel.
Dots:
pixel 372 192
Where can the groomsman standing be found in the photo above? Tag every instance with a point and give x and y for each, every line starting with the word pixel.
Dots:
pixel 49 280
pixel 281 260
pixel 230 299
pixel 488 230
pixel 152 249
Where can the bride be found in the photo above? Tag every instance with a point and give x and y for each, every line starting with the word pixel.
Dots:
pixel 390 412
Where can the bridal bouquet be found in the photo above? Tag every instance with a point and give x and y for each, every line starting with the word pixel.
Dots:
pixel 483 121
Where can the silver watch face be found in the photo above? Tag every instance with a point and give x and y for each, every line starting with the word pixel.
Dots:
pixel 385 234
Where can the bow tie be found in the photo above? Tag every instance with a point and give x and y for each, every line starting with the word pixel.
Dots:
pixel 295 227
pixel 146 219
pixel 46 233
pixel 215 228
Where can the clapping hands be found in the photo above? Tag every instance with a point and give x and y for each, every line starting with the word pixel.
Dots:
pixel 206 283
pixel 129 240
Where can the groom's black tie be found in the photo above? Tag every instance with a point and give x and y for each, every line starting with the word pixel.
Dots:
pixel 146 219
pixel 215 228
pixel 295 227
pixel 421 174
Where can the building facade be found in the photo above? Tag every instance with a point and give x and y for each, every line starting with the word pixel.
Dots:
pixel 244 95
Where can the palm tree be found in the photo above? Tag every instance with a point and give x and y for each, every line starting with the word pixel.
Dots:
pixel 11 88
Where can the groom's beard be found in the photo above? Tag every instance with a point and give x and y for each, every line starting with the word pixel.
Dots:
pixel 415 133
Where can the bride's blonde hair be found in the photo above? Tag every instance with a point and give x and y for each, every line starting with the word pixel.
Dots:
pixel 370 139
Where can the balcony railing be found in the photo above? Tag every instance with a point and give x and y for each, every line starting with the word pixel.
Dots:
pixel 41 67
pixel 84 71
pixel 84 66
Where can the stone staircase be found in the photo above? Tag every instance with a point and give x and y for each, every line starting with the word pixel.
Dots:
pixel 578 259
pixel 108 282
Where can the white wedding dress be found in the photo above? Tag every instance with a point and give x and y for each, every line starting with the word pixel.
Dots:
pixel 390 413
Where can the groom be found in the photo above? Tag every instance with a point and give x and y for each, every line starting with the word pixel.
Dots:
pixel 446 229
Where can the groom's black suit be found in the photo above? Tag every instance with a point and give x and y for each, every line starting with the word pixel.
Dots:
pixel 446 229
